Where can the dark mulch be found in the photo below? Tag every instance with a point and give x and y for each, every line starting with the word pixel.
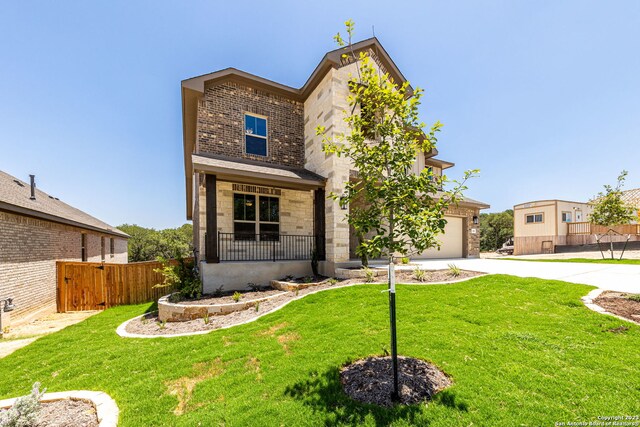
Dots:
pixel 304 279
pixel 619 303
pixel 371 380
pixel 67 412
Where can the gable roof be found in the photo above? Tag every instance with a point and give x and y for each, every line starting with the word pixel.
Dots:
pixel 15 197
pixel 193 88
pixel 632 197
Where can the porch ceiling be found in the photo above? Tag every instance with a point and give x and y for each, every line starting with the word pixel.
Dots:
pixel 227 169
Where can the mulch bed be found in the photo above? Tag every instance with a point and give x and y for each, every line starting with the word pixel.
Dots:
pixel 371 380
pixel 227 297
pixel 618 303
pixel 150 325
pixel 67 412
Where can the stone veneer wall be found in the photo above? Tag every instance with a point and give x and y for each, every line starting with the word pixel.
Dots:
pixel 221 123
pixel 29 249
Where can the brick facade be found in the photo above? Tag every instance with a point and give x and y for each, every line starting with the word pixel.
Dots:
pixel 29 249
pixel 221 123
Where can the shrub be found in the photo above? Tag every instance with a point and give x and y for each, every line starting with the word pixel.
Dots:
pixel 420 275
pixel 332 281
pixel 182 276
pixel 236 296
pixel 454 270
pixel 635 297
pixel 404 260
pixel 369 275
pixel 24 411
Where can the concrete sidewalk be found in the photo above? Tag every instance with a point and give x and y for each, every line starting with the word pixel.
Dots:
pixel 622 278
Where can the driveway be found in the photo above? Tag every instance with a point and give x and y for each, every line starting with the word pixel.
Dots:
pixel 622 278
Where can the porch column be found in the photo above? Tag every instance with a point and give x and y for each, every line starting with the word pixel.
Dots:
pixel 211 239
pixel 319 222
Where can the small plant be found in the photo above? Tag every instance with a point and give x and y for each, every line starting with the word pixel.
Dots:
pixel 420 275
pixel 454 270
pixel 635 297
pixel 236 296
pixel 162 324
pixel 24 411
pixel 297 291
pixel 307 279
pixel 205 319
pixel 332 281
pixel 404 260
pixel 288 278
pixel 369 275
pixel 257 306
pixel 218 292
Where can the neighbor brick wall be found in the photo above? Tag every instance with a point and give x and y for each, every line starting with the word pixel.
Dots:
pixel 221 123
pixel 29 249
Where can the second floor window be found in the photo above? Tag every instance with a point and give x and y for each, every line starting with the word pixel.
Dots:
pixel 255 135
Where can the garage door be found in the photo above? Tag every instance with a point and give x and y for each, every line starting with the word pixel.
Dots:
pixel 451 241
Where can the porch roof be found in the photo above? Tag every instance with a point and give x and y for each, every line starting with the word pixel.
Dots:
pixel 246 171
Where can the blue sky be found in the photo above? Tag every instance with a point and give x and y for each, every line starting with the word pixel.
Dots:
pixel 542 96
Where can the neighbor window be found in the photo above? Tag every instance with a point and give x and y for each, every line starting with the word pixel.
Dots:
pixel 566 216
pixel 102 248
pixel 83 246
pixel 112 247
pixel 255 135
pixel 247 223
pixel 534 218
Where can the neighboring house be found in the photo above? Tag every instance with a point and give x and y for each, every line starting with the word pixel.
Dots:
pixel 36 230
pixel 546 226
pixel 257 179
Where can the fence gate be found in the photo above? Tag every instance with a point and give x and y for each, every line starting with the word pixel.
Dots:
pixel 96 286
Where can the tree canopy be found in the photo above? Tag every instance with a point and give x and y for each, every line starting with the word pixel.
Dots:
pixel 609 208
pixel 495 229
pixel 147 244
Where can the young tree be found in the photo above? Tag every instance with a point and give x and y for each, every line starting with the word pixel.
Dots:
pixel 403 212
pixel 610 210
pixel 608 207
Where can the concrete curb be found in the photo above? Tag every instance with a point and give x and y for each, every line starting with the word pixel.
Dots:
pixel 107 411
pixel 588 301
pixel 121 330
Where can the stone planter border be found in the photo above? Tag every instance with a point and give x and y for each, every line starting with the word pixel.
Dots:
pixel 285 286
pixel 122 329
pixel 176 312
pixel 358 273
pixel 107 411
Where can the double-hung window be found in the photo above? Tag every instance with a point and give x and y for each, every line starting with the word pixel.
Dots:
pixel 251 219
pixel 255 135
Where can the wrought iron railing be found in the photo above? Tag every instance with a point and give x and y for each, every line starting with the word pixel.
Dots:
pixel 268 247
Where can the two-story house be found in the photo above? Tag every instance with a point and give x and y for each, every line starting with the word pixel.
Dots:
pixel 257 179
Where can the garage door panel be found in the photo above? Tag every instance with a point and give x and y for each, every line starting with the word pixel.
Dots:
pixel 451 241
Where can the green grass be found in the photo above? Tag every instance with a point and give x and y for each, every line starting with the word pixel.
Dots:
pixel 580 260
pixel 521 352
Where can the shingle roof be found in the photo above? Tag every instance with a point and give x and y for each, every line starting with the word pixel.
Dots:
pixel 632 197
pixel 15 197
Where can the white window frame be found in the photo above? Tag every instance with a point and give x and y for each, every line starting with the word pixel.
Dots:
pixel 244 132
pixel 564 218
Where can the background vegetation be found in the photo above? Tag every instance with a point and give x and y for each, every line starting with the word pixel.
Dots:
pixel 495 229
pixel 147 244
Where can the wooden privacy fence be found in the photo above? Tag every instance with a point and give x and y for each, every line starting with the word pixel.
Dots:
pixel 96 286
pixel 588 228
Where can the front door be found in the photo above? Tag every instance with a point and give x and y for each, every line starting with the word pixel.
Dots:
pixel 578 216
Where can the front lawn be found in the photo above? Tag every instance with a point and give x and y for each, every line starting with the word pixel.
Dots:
pixel 521 352
pixel 580 260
